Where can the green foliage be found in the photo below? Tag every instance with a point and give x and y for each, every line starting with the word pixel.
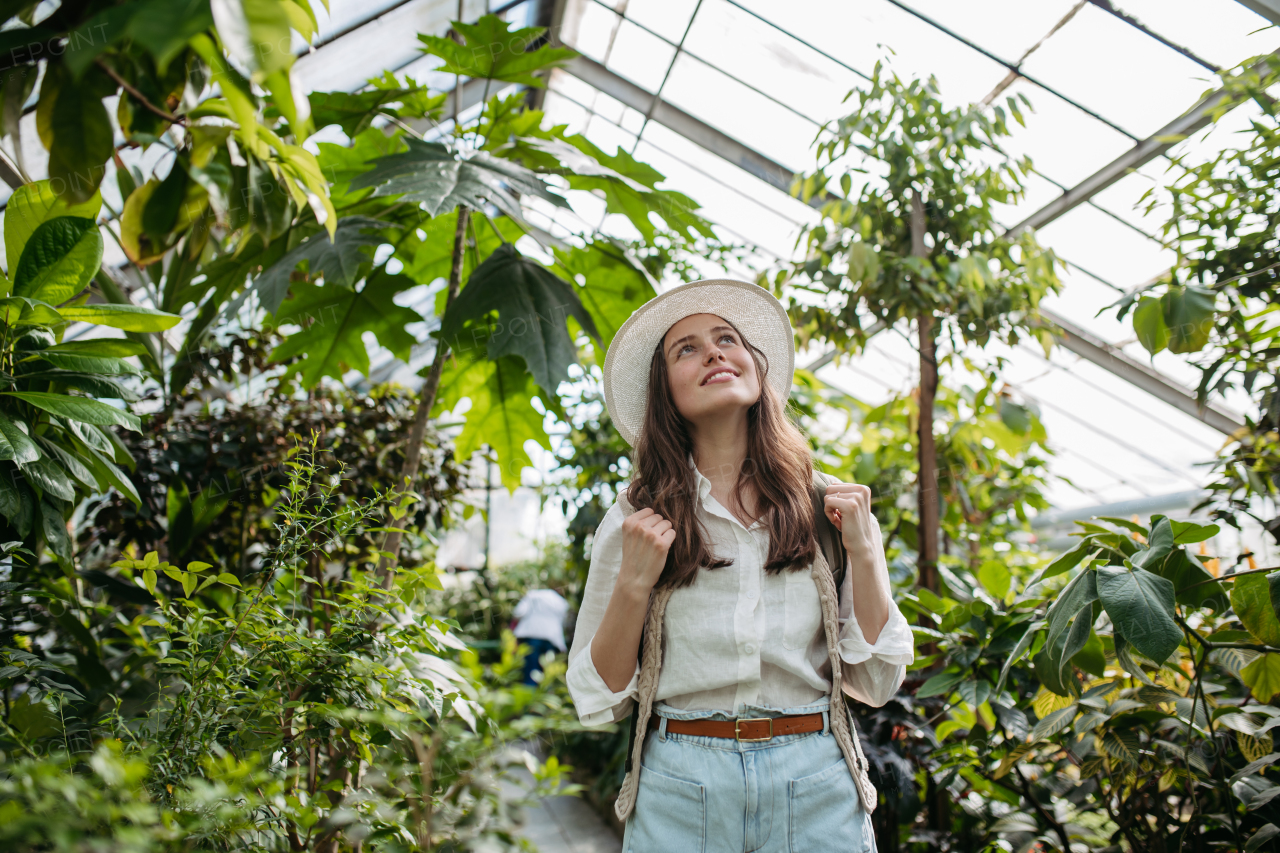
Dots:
pixel 367 722
pixel 493 52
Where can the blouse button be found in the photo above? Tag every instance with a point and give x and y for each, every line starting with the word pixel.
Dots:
pixel 751 650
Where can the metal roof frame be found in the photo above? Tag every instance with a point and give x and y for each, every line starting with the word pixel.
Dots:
pixel 1075 339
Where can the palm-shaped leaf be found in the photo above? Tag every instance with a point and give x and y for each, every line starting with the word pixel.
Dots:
pixel 432 175
pixel 532 304
pixel 493 52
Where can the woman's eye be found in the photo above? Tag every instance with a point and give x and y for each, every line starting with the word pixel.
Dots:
pixel 727 338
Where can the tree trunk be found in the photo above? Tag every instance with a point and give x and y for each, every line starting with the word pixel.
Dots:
pixel 426 399
pixel 927 481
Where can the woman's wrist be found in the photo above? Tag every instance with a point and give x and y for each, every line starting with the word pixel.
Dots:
pixel 631 589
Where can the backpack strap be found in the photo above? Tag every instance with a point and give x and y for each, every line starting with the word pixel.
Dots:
pixel 830 541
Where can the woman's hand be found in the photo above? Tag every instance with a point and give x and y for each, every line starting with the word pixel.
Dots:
pixel 646 538
pixel 848 505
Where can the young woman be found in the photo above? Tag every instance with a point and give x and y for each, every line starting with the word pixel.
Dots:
pixel 712 556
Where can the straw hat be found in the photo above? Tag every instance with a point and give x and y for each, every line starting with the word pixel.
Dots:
pixel 752 310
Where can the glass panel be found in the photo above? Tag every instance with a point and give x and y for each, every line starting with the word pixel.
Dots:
pixel 1064 143
pixel 741 113
pixel 768 59
pixel 862 33
pixel 743 184
pixel 1223 32
pixel 344 14
pixel 1125 199
pixel 591 31
pixel 667 18
pixel 390 42
pixel 1095 241
pixel 1007 28
pixel 749 220
pixel 640 57
pixel 1113 69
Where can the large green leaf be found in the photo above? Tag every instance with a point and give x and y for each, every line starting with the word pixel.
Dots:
pixel 163 26
pixel 49 477
pixel 30 206
pixel 334 319
pixel 432 175
pixel 337 261
pixel 1251 600
pixel 20 311
pixel 355 111
pixel 1158 547
pixel 1064 562
pixel 97 348
pixel 1189 313
pixel 54 528
pixel 109 474
pixel 82 137
pixel 71 463
pixel 1140 605
pixel 1262 676
pixel 59 261
pixel 15 444
pixel 532 304
pixel 501 414
pixel 633 194
pixel 1081 592
pixel 128 318
pixel 79 409
pixel 1191 581
pixel 1148 322
pixel 255 33
pixel 88 363
pixel 493 51
pixel 612 287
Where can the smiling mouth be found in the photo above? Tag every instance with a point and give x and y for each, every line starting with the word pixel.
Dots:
pixel 716 376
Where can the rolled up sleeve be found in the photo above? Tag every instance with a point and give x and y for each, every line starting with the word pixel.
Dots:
pixel 873 672
pixel 596 704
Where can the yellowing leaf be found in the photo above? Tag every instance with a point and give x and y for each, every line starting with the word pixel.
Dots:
pixel 1262 676
pixel 1046 703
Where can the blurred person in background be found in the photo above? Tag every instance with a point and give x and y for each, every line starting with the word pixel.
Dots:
pixel 539 624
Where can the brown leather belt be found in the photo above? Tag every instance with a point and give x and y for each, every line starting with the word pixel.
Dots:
pixel 753 730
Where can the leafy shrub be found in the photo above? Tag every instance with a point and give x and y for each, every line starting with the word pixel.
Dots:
pixel 305 704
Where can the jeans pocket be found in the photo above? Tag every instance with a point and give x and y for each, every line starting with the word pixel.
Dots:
pixel 670 815
pixel 826 814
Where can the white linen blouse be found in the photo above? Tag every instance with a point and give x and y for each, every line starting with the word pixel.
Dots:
pixel 736 636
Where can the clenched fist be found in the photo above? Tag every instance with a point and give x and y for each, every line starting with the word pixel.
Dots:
pixel 646 538
pixel 848 505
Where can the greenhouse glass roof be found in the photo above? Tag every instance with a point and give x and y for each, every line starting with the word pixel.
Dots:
pixel 725 97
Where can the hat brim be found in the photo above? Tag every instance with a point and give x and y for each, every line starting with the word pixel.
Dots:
pixel 751 309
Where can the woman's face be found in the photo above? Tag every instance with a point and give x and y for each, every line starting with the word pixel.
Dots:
pixel 710 369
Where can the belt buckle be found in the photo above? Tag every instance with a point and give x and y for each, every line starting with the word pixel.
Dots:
pixel 737 731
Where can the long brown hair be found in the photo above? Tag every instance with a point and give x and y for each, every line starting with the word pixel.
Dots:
pixel 778 467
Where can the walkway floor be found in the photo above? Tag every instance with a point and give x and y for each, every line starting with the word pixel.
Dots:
pixel 569 825
pixel 562 824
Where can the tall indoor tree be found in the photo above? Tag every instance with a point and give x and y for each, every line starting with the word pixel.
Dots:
pixel 913 236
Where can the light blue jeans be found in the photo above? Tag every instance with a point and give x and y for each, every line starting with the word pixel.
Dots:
pixel 792 794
